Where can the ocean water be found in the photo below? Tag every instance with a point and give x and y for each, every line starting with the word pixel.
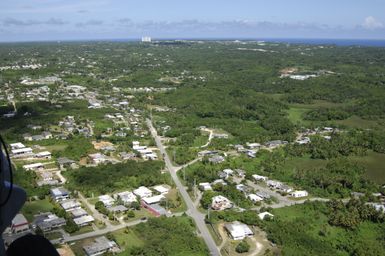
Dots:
pixel 338 42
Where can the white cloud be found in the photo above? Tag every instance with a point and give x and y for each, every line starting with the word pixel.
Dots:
pixel 371 23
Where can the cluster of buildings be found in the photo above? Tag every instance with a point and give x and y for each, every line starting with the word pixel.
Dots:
pixel 37 94
pixel 273 184
pixel 69 126
pixel 148 198
pixel 22 66
pixel 44 80
pixel 72 206
pixel 145 152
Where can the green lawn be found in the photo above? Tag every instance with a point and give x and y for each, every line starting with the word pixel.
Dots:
pixel 295 114
pixel 32 208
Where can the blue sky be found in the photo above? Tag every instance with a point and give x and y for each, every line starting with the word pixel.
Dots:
pixel 22 20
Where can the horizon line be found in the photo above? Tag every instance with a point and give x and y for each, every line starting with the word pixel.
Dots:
pixel 155 39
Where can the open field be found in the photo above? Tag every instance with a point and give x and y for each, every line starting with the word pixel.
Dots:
pixel 34 207
pixel 374 163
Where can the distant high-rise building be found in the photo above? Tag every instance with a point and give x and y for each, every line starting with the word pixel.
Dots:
pixel 146 39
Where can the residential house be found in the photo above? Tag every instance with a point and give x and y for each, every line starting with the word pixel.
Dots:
pixel 44 154
pixel 274 184
pixel 221 203
pixel 254 198
pixel 264 215
pixel 275 143
pixel 17 145
pixel 238 230
pixel 257 177
pixel 299 193
pixel 107 200
pixel 21 152
pixel 118 209
pixel 153 199
pixel 64 162
pixel 19 224
pixel 219 181
pixel 126 197
pixel 205 186
pixel 161 189
pixel 33 167
pixel 48 221
pixel 216 159
pixel 59 194
pixel 98 158
pixel 143 192
pixel 84 220
pixel 78 212
pixel 253 145
pixel 69 205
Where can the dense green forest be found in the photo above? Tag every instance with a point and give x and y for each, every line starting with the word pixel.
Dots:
pixel 109 178
pixel 328 229
pixel 158 240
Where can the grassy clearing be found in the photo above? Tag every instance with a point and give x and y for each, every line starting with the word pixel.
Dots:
pixel 200 140
pixel 127 238
pixel 357 122
pixel 304 163
pixel 295 114
pixel 374 163
pixel 83 230
pixel 173 196
pixel 35 207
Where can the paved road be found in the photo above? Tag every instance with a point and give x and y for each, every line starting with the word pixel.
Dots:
pixel 192 210
pixel 99 232
pixel 97 215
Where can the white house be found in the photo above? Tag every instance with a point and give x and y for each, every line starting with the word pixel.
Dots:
pixel 21 151
pixel 35 166
pixel 44 154
pixel 84 220
pixel 259 177
pixel 161 189
pixel 254 198
pixel 153 199
pixel 205 186
pixel 69 205
pixel 253 145
pixel 107 200
pixel 127 197
pixel 17 145
pixel 299 193
pixel 238 230
pixel 143 192
pixel 263 215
